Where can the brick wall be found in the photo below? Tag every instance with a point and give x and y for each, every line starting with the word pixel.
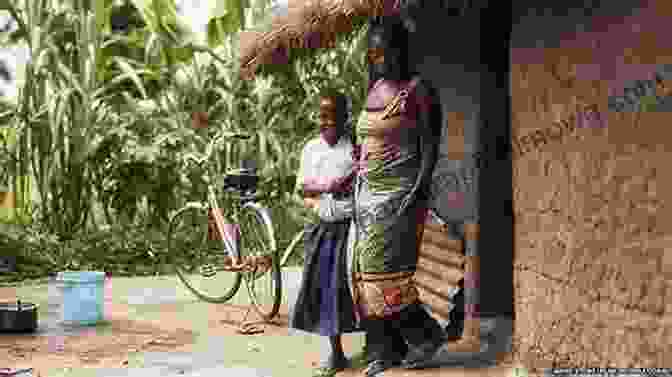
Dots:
pixel 440 269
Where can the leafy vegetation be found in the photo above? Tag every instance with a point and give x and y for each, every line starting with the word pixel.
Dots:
pixel 103 126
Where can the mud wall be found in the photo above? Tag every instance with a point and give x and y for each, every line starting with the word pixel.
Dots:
pixel 593 256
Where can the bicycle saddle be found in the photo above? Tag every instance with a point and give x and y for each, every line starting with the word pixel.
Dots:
pixel 241 180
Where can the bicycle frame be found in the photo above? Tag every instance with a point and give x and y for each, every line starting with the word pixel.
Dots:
pixel 290 249
pixel 212 202
pixel 230 243
pixel 219 222
pixel 247 256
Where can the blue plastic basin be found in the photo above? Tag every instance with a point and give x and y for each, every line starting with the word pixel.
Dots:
pixel 82 297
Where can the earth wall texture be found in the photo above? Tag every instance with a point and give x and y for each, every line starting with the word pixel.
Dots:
pixel 592 195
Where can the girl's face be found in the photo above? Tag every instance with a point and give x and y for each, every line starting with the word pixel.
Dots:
pixel 327 113
pixel 329 128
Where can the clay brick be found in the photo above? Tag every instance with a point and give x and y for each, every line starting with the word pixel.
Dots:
pixel 440 306
pixel 666 265
pixel 451 274
pixel 668 298
pixel 653 301
pixel 449 247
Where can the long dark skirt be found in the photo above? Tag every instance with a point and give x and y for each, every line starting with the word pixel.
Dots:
pixel 324 305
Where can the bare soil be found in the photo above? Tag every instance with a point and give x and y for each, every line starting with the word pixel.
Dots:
pixel 109 345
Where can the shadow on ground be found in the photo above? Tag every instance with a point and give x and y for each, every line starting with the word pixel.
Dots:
pixel 496 341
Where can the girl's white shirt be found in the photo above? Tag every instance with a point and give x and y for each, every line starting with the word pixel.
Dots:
pixel 322 163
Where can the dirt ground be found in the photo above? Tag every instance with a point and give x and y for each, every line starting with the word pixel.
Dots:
pixel 108 345
pixel 118 342
pixel 93 348
pixel 112 344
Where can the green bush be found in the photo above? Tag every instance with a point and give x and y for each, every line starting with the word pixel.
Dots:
pixel 119 250
pixel 107 150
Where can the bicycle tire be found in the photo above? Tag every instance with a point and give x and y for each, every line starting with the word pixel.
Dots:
pixel 257 237
pixel 191 223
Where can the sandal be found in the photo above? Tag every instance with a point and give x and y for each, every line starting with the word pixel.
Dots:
pixel 325 372
pixel 331 367
pixel 419 356
pixel 377 367
pixel 359 360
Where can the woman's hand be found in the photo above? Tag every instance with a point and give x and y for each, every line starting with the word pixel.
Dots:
pixel 311 203
pixel 404 205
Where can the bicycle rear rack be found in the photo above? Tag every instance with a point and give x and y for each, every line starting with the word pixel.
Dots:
pixel 254 263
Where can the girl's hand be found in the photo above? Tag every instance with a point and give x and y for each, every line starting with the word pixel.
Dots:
pixel 343 184
pixel 315 186
pixel 356 152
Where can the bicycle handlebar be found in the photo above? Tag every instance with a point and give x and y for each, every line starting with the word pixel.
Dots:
pixel 216 140
pixel 246 195
pixel 236 135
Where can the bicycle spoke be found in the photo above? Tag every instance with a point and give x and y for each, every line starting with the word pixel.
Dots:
pixel 258 246
pixel 201 268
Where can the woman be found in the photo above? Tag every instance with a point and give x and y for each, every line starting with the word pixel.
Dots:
pixel 324 305
pixel 399 136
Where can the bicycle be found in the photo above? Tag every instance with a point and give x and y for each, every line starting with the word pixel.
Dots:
pixel 240 241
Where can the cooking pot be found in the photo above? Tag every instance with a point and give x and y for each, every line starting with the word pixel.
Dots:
pixel 22 372
pixel 18 316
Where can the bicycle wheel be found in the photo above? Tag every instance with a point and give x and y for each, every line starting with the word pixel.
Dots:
pixel 201 255
pixel 257 240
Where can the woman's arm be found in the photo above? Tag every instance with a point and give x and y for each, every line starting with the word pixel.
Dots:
pixel 429 146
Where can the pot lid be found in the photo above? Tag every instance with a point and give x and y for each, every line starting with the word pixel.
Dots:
pixel 14 306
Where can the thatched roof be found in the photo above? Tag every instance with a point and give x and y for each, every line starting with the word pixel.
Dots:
pixel 308 24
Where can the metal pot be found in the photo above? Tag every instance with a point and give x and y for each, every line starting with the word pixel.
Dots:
pixel 18 317
pixel 22 372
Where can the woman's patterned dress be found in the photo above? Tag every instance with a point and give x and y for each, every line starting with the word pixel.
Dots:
pixel 386 246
